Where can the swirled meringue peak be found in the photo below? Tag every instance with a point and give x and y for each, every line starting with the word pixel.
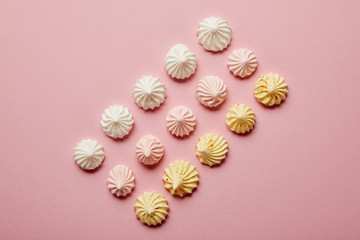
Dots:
pixel 151 208
pixel 149 92
pixel 117 121
pixel 214 34
pixel 88 154
pixel 149 150
pixel 180 62
pixel 211 91
pixel 121 180
pixel 181 178
pixel 180 121
pixel 242 62
pixel 270 89
pixel 211 149
pixel 240 118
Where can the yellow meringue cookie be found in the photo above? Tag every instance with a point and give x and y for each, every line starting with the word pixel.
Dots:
pixel 151 208
pixel 211 149
pixel 240 118
pixel 180 178
pixel 270 89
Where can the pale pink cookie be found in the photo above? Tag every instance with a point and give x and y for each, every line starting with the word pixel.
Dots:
pixel 149 150
pixel 121 180
pixel 180 121
pixel 242 62
pixel 211 91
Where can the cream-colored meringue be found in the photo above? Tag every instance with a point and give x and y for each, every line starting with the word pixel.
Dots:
pixel 121 180
pixel 180 62
pixel 88 154
pixel 181 178
pixel 270 89
pixel 151 208
pixel 117 121
pixel 240 118
pixel 242 62
pixel 211 91
pixel 214 34
pixel 180 121
pixel 149 92
pixel 149 150
pixel 211 149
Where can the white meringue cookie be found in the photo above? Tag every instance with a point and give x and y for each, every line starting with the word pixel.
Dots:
pixel 180 121
pixel 180 62
pixel 117 121
pixel 242 62
pixel 149 150
pixel 88 154
pixel 214 34
pixel 121 180
pixel 211 91
pixel 149 92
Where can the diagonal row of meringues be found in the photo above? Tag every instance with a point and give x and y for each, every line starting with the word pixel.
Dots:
pixel 180 178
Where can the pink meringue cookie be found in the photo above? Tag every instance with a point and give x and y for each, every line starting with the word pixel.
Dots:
pixel 180 121
pixel 242 62
pixel 149 150
pixel 211 91
pixel 121 180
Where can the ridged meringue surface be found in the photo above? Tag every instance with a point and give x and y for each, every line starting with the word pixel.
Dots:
pixel 242 62
pixel 181 178
pixel 121 180
pixel 149 150
pixel 88 154
pixel 240 118
pixel 180 62
pixel 180 121
pixel 151 208
pixel 211 149
pixel 214 34
pixel 211 91
pixel 270 89
pixel 149 92
pixel 117 121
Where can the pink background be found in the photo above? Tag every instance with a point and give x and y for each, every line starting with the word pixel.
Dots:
pixel 295 176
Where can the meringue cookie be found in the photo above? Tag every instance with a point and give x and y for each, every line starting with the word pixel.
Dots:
pixel 117 121
pixel 151 208
pixel 180 62
pixel 214 34
pixel 211 149
pixel 88 154
pixel 211 91
pixel 149 150
pixel 242 62
pixel 180 121
pixel 121 181
pixel 270 89
pixel 149 92
pixel 180 178
pixel 240 118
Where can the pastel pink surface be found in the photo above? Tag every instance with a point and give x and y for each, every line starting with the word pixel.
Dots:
pixel 295 176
